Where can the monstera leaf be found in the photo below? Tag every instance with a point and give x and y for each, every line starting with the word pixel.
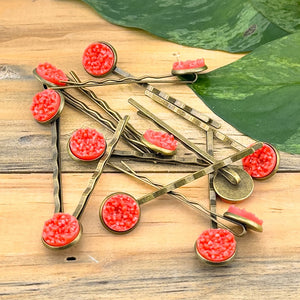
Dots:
pixel 230 25
pixel 260 93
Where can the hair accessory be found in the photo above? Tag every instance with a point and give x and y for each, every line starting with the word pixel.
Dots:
pixel 64 230
pixel 100 58
pixel 177 183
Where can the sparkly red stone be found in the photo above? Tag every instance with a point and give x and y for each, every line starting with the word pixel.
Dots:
pixel 216 245
pixel 60 230
pixel 87 144
pixel 188 64
pixel 120 212
pixel 45 105
pixel 98 59
pixel 245 214
pixel 51 73
pixel 261 163
pixel 161 139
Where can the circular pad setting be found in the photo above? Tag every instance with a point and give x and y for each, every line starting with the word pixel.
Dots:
pixel 120 212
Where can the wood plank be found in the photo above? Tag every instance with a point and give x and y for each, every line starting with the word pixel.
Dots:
pixel 29 143
pixel 157 258
pixel 26 36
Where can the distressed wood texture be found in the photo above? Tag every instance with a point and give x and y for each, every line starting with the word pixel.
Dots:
pixel 157 259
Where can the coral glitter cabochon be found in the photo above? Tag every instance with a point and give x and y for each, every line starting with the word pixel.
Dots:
pixel 188 67
pixel 50 75
pixel 61 231
pixel 160 142
pixel 99 59
pixel 47 106
pixel 119 212
pixel 86 144
pixel 216 246
pixel 246 218
pixel 263 163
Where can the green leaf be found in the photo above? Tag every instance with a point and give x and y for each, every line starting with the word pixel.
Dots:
pixel 284 13
pixel 260 93
pixel 230 25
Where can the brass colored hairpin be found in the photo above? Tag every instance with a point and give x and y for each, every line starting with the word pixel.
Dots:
pixel 173 101
pixel 105 106
pixel 64 230
pixel 83 108
pixel 106 52
pixel 195 205
pixel 230 175
pixel 150 157
pixel 164 100
pixel 211 191
pixel 116 201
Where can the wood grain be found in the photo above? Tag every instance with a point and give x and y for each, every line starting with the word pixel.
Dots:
pixel 157 259
pixel 154 260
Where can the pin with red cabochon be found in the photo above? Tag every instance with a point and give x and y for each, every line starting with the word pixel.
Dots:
pixel 49 75
pixel 116 208
pixel 215 246
pixel 86 144
pixel 160 142
pixel 263 163
pixel 100 59
pixel 244 217
pixel 47 106
pixel 64 230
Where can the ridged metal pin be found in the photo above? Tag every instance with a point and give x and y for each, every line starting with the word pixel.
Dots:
pixel 176 184
pixel 211 190
pixel 100 166
pixel 229 174
pixel 195 205
pixel 150 157
pixel 159 98
pixel 105 106
pixel 205 171
pixel 172 100
pixel 56 159
pixel 83 108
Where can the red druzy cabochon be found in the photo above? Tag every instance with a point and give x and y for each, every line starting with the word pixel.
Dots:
pixel 60 230
pixel 161 139
pixel 87 144
pixel 51 74
pixel 188 64
pixel 45 105
pixel 245 214
pixel 261 163
pixel 216 245
pixel 120 212
pixel 98 59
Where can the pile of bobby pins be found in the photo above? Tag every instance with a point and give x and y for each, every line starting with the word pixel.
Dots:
pixel 120 212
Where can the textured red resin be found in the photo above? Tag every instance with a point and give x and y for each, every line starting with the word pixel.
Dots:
pixel 245 214
pixel 188 64
pixel 87 144
pixel 261 163
pixel 45 105
pixel 161 139
pixel 216 245
pixel 51 73
pixel 60 230
pixel 98 59
pixel 120 212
